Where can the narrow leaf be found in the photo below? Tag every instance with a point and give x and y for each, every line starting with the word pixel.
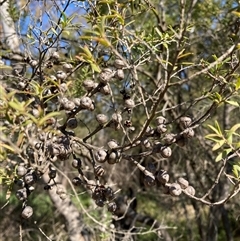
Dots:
pixel 236 13
pixel 214 129
pixel 236 170
pixel 230 139
pixel 219 157
pixel 54 31
pixel 46 117
pixel 16 106
pixel 214 139
pixel 6 147
pixel 231 102
pixel 235 127
pixel 218 145
pixel 95 67
pixel 218 127
pixel 237 85
pixel 20 139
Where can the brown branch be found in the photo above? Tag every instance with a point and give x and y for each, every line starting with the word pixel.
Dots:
pixel 219 60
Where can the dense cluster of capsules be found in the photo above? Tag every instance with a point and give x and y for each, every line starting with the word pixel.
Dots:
pixel 161 178
pixel 101 194
pixel 56 143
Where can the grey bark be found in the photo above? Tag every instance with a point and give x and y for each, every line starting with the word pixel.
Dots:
pixel 11 39
pixel 72 215
pixel 9 32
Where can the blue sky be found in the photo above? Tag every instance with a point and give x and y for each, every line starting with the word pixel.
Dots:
pixel 41 15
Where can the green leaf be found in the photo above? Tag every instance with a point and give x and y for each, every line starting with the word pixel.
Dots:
pixel 37 88
pixel 236 13
pixel 213 139
pixel 231 102
pixel 20 139
pixel 215 130
pixel 165 45
pixel 46 117
pixel 219 157
pixel 216 97
pixel 100 40
pixel 229 138
pixel 237 85
pixel 31 117
pixel 54 31
pixel 236 170
pixel 87 52
pixel 66 32
pixel 28 102
pixel 223 154
pixel 16 106
pixel 71 18
pixel 64 20
pixel 116 15
pixel 235 127
pixel 212 135
pixel 158 32
pixel 218 145
pixel 3 175
pixel 215 57
pixel 95 67
pixel 2 145
pixel 103 41
pixel 218 127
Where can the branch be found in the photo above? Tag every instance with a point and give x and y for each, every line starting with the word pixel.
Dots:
pixel 219 60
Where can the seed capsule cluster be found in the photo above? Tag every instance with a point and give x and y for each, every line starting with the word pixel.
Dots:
pixel 52 140
pixel 161 178
pixel 25 180
pixel 158 140
pixel 104 195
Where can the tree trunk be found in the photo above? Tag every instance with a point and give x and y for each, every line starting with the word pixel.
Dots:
pixel 8 27
pixel 74 222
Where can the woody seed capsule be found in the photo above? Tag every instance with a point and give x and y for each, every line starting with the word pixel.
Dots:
pixel 129 103
pixel 160 120
pixel 88 84
pixel 101 119
pixel 27 212
pixel 185 122
pixel 105 90
pixel 119 64
pixel 105 76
